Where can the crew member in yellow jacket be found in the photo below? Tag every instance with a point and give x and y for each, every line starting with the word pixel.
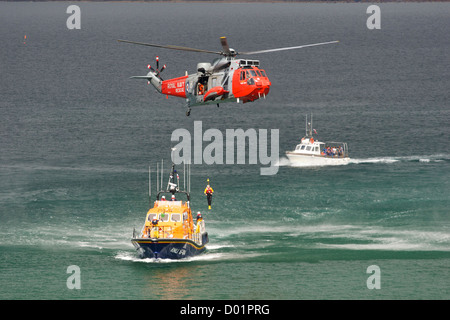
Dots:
pixel 209 191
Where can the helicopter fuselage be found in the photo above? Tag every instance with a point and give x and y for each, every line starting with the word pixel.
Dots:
pixel 225 80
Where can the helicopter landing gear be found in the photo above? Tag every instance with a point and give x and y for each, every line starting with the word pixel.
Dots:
pixel 188 106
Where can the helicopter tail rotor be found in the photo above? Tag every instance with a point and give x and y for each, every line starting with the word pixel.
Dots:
pixel 157 71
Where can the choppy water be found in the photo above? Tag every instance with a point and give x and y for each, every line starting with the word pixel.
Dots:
pixel 77 136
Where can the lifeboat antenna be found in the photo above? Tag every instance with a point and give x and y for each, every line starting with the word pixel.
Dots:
pixel 161 180
pixel 157 181
pixel 149 186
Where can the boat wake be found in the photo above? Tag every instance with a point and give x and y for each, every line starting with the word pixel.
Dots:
pixel 423 158
pixel 376 238
pixel 284 162
pixel 334 236
pixel 209 255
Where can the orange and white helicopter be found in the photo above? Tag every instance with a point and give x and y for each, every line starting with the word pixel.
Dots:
pixel 226 79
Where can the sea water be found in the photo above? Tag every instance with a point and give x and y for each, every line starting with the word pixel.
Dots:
pixel 77 137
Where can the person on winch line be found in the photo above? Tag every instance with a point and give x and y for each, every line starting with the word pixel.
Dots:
pixel 209 191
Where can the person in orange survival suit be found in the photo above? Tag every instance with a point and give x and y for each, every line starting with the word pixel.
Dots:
pixel 209 191
pixel 200 89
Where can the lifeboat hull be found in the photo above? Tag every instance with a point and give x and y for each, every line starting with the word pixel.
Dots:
pixel 169 248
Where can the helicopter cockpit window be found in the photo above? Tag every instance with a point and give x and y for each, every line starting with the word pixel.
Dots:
pixel 253 73
pixel 258 73
pixel 247 74
pixel 242 75
pixel 263 73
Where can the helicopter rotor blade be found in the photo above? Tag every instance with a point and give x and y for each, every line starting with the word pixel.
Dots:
pixel 226 48
pixel 288 48
pixel 169 47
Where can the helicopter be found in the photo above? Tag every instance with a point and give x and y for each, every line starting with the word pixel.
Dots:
pixel 226 79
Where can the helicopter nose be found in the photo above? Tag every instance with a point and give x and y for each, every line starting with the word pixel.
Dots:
pixel 264 87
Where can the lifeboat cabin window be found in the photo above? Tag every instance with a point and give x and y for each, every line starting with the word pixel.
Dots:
pixel 176 217
pixel 308 148
pixel 151 216
pixel 164 217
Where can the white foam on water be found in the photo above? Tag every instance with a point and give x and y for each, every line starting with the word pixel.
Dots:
pixel 375 160
pixel 218 246
pixel 282 162
pixel 414 158
pixel 379 238
pixel 207 256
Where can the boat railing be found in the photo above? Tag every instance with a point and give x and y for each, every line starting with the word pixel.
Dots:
pixel 160 232
pixel 163 232
pixel 197 237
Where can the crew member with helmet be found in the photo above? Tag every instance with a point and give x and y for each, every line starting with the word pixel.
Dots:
pixel 209 191
pixel 155 229
pixel 200 223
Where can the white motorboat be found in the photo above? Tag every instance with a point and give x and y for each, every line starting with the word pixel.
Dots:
pixel 312 152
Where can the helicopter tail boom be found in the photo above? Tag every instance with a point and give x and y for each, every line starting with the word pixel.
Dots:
pixel 152 79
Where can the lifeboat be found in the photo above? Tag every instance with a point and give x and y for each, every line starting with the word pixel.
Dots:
pixel 169 230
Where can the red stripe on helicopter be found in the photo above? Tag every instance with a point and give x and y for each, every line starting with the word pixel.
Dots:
pixel 174 87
